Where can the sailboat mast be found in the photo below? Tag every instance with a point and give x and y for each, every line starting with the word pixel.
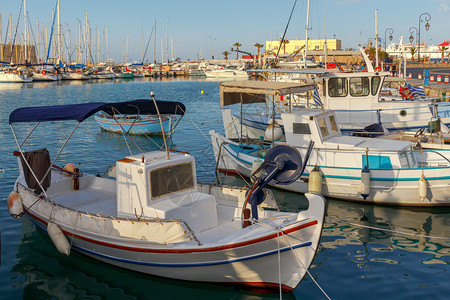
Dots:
pixel 167 40
pixel 142 42
pixel 306 41
pixel 154 45
pixel 59 35
pixel 25 24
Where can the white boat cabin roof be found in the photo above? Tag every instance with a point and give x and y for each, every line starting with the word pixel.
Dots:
pixel 307 125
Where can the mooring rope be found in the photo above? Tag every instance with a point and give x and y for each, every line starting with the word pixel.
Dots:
pixel 307 271
pixel 390 230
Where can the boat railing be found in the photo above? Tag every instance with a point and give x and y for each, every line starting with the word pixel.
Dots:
pixel 100 216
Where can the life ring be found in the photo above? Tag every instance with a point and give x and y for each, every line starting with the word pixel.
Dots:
pixel 78 71
pixel 44 72
pixel 378 69
pixel 206 64
pixel 405 92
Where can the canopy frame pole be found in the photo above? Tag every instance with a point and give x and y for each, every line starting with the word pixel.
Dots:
pixel 26 162
pixel 59 152
pixel 29 134
pixel 242 111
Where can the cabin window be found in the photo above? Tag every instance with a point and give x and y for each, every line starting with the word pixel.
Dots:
pixel 377 162
pixel 323 127
pixel 403 160
pixel 171 179
pixel 301 128
pixel 337 87
pixel 333 125
pixel 359 86
pixel 375 84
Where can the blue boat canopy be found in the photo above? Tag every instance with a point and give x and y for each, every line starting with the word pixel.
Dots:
pixel 80 112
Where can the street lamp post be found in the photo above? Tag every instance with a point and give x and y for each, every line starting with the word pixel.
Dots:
pixel 411 37
pixel 427 27
pixel 391 31
pixel 212 48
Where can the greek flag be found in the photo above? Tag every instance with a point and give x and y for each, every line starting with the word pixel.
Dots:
pixel 417 91
pixel 316 97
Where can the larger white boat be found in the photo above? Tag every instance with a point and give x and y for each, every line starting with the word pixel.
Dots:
pixel 20 74
pixel 154 217
pixel 240 73
pixel 352 168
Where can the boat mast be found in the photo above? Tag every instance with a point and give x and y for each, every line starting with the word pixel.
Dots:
pixel 167 40
pixel 376 38
pixel 25 24
pixel 306 41
pixel 59 35
pixel 154 46
pixel 142 43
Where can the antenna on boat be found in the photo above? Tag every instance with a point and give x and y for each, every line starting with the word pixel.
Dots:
pixel 152 94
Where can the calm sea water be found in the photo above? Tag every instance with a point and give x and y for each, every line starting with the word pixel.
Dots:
pixel 366 251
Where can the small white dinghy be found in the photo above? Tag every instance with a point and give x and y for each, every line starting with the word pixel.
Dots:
pixel 153 216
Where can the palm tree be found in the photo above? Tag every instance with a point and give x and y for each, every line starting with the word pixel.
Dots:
pixel 259 46
pixel 284 42
pixel 443 49
pixel 225 54
pixel 412 50
pixel 237 45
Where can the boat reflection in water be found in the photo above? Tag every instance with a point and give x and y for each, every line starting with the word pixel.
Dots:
pixel 413 230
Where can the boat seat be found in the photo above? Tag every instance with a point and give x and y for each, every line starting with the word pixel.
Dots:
pixel 198 210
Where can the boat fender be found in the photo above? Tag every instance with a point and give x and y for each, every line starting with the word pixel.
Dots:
pixel 422 188
pixel 58 238
pixel 44 72
pixel 70 168
pixel 15 206
pixel 365 182
pixel 315 181
pixel 255 166
pixel 273 132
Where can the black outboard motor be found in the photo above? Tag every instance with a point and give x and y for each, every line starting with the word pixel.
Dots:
pixel 283 165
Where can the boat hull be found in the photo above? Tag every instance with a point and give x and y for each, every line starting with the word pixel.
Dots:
pixel 250 258
pixel 387 186
pixel 146 124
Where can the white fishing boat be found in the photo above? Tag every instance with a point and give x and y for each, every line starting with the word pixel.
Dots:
pixel 46 73
pixel 20 75
pixel 351 168
pixel 153 217
pixel 240 73
pixel 73 74
pixel 141 122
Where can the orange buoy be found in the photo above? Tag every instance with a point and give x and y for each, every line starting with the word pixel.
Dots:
pixel 15 206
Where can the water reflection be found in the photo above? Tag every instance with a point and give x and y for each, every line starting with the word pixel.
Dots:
pixel 45 273
pixel 425 231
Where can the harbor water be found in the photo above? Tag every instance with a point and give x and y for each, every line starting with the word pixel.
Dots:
pixel 366 251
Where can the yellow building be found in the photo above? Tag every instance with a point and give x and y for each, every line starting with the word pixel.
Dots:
pixel 295 45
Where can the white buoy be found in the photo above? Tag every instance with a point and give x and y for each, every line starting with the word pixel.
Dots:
pixel 15 206
pixel 58 238
pixel 365 182
pixel 315 181
pixel 273 132
pixel 256 164
pixel 422 188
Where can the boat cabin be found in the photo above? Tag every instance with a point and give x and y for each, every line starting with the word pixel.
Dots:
pixel 322 127
pixel 152 186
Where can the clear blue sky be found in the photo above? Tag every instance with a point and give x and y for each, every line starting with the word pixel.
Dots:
pixel 193 24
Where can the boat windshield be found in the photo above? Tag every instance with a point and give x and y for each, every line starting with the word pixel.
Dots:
pixel 171 179
pixel 375 84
